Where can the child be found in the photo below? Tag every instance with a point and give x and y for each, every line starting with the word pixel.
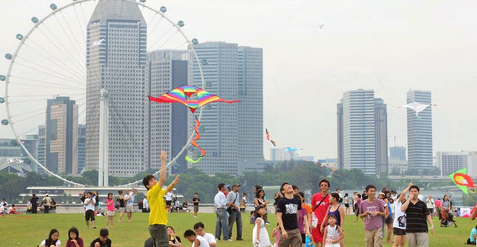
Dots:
pixel 333 233
pixel 52 239
pixel 103 240
pixel 13 210
pixel 195 240
pixel 276 234
pixel 260 234
pixel 73 238
pixel 111 210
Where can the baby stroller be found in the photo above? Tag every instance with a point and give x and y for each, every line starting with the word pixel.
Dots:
pixel 447 218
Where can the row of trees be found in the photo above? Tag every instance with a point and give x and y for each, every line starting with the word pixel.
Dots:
pixel 305 175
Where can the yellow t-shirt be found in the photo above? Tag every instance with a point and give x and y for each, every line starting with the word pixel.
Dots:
pixel 155 197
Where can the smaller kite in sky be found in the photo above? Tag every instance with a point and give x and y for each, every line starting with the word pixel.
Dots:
pixel 97 43
pixel 463 181
pixel 417 107
pixel 268 138
pixel 291 150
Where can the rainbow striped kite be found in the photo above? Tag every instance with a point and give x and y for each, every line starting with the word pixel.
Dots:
pixel 183 95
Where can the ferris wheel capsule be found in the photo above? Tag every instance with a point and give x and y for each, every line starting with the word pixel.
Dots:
pixel 53 6
pixel 8 56
pixel 19 36
pixel 5 122
pixel 2 100
pixel 2 78
pixel 34 19
pixel 195 41
pixel 180 23
pixel 203 61
pixel 163 9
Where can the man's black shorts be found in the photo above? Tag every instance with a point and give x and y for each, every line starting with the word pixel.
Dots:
pixel 89 214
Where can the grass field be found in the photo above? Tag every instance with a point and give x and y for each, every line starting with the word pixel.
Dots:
pixel 30 230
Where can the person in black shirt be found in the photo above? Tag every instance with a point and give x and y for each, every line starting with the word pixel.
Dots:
pixel 416 216
pixel 287 210
pixel 103 240
pixel 196 201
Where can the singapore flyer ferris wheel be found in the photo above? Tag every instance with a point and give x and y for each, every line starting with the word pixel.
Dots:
pixel 78 51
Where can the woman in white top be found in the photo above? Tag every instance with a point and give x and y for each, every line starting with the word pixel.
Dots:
pixel 52 240
pixel 399 224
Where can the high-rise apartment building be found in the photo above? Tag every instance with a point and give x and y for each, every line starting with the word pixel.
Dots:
pixel 117 64
pixel 219 130
pixel 231 133
pixel 280 154
pixel 250 110
pixel 81 147
pixel 61 146
pixel 419 133
pixel 397 152
pixel 166 123
pixel 362 132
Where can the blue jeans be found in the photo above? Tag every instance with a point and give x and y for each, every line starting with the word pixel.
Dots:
pixel 235 216
pixel 221 224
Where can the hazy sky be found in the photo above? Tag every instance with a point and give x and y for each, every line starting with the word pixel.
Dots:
pixel 390 47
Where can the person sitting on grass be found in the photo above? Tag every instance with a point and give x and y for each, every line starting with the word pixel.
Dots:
pixel 195 240
pixel 103 240
pixel 52 240
pixel 473 236
pixel 73 238
pixel 13 210
pixel 174 241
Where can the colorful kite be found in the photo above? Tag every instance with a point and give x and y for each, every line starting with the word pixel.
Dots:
pixel 463 181
pixel 291 150
pixel 183 95
pixel 268 138
pixel 417 107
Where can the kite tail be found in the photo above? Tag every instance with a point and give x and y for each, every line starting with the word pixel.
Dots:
pixel 197 137
pixel 472 191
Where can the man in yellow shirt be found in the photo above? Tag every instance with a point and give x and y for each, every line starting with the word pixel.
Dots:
pixel 155 194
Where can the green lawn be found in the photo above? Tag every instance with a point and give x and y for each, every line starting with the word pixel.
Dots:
pixel 30 230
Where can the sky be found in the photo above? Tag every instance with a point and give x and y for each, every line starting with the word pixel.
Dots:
pixel 391 47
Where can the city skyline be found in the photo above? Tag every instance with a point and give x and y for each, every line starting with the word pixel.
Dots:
pixel 388 47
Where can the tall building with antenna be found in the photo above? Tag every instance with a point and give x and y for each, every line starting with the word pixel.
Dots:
pixel 116 50
pixel 419 133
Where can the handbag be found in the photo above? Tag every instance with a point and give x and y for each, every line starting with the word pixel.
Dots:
pixel 230 208
pixel 314 219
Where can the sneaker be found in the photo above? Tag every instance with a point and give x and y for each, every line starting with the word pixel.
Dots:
pixel 239 239
pixel 228 240
pixel 267 223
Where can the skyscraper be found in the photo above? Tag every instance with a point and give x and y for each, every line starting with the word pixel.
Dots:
pixel 81 147
pixel 419 133
pixel 362 132
pixel 250 110
pixel 219 132
pixel 61 145
pixel 398 152
pixel 166 123
pixel 117 64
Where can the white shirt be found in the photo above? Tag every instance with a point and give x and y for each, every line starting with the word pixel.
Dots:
pixel 430 203
pixel 210 238
pixel 145 204
pixel 220 201
pixel 58 242
pixel 89 206
pixel 168 196
pixel 399 217
pixel 131 198
pixel 203 242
